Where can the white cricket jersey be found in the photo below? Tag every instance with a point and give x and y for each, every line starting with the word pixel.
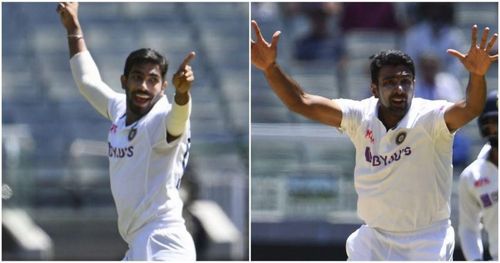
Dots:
pixel 478 199
pixel 403 176
pixel 145 170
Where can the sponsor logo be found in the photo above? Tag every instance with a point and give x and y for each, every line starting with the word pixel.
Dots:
pixel 116 152
pixel 481 182
pixel 489 199
pixel 369 135
pixel 378 160
pixel 113 128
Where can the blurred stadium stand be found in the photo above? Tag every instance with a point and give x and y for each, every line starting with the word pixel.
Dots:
pixel 303 197
pixel 54 142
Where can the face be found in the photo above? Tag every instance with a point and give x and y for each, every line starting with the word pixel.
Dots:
pixel 490 127
pixel 394 90
pixel 144 86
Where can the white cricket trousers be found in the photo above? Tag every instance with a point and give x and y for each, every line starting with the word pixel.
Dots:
pixel 154 243
pixel 435 243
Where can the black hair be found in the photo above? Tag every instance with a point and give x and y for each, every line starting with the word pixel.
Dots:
pixel 390 58
pixel 146 55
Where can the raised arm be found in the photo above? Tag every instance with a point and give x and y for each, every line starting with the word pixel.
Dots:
pixel 477 61
pixel 181 108
pixel 84 70
pixel 68 12
pixel 290 93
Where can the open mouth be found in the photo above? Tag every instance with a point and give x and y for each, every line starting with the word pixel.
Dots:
pixel 141 99
pixel 398 101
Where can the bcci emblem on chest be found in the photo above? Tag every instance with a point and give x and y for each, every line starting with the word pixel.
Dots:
pixel 400 138
pixel 132 134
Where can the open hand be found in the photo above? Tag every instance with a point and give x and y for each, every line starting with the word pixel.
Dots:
pixel 263 53
pixel 477 61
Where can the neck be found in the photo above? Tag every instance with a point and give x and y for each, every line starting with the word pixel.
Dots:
pixel 493 156
pixel 131 117
pixel 387 118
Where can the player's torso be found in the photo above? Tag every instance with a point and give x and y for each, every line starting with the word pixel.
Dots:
pixel 402 174
pixel 483 183
pixel 129 152
pixel 145 170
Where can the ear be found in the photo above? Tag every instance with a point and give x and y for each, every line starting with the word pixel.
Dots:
pixel 374 89
pixel 123 80
pixel 164 85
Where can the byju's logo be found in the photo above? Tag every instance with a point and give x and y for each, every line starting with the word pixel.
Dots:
pixel 377 160
pixel 115 152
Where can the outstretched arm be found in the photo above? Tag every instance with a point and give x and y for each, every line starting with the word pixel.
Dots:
pixel 291 94
pixel 477 61
pixel 68 12
pixel 84 70
pixel 181 108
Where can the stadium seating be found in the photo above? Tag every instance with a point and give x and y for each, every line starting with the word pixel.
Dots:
pixel 38 90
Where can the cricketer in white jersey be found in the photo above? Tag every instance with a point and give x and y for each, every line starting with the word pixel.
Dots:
pixel 148 144
pixel 403 172
pixel 478 203
pixel 478 189
pixel 146 173
pixel 403 179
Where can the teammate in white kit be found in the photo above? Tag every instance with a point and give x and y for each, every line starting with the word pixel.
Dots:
pixel 403 172
pixel 148 144
pixel 478 190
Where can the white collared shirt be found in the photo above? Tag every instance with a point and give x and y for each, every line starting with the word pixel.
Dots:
pixel 478 202
pixel 145 170
pixel 403 176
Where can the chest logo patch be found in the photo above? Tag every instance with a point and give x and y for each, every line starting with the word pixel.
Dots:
pixel 400 138
pixel 132 134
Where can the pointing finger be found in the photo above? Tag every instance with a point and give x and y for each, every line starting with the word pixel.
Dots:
pixel 188 58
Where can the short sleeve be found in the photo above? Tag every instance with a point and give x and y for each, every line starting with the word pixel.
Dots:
pixel 351 115
pixel 431 117
pixel 440 128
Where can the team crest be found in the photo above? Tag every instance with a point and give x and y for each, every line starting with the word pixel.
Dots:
pixel 400 138
pixel 132 134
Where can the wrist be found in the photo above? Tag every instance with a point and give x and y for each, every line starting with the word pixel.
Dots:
pixel 74 30
pixel 475 75
pixel 269 68
pixel 181 98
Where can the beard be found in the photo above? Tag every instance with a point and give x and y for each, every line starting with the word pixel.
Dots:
pixel 399 110
pixel 141 110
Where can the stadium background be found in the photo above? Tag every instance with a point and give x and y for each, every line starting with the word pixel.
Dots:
pixel 303 202
pixel 58 204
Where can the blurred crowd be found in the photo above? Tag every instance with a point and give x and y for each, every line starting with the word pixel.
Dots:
pixel 423 30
